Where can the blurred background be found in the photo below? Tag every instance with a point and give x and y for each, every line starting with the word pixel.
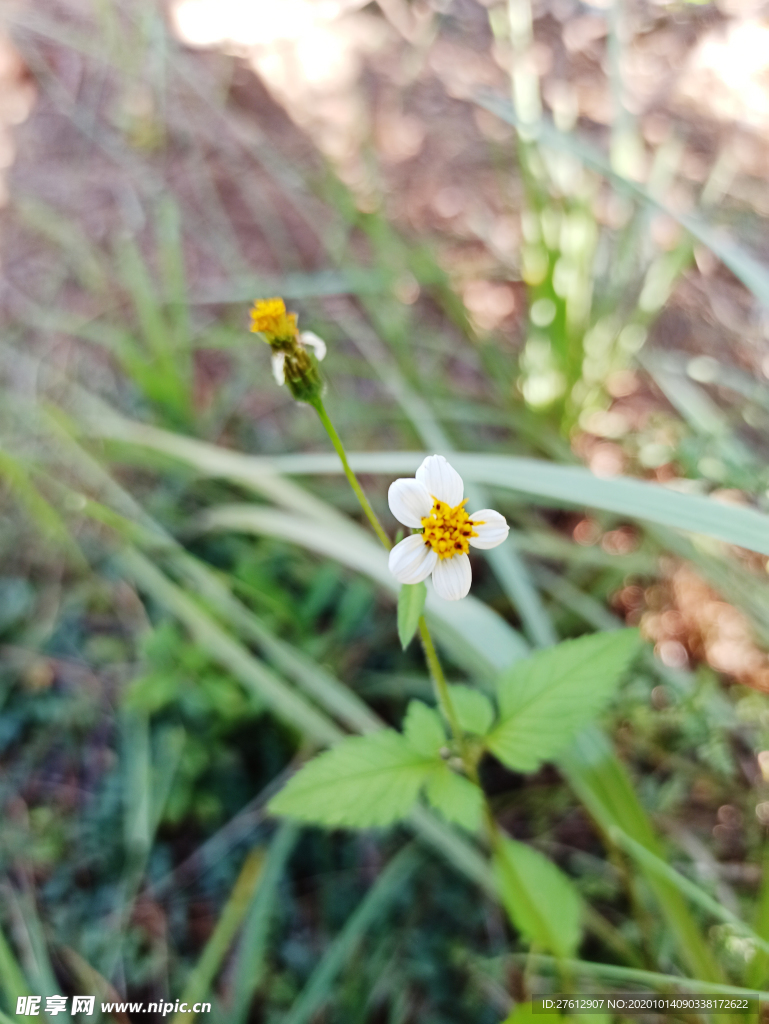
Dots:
pixel 535 228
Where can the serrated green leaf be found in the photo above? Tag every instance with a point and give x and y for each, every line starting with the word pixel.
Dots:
pixel 361 782
pixel 423 729
pixel 411 604
pixel 474 709
pixel 457 798
pixel 547 699
pixel 541 901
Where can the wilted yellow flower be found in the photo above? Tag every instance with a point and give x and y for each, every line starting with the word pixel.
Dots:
pixel 269 317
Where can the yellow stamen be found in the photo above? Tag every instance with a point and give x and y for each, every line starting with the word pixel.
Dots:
pixel 448 530
pixel 269 317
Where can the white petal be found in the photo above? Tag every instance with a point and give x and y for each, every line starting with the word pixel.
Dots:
pixel 491 528
pixel 441 480
pixel 278 370
pixel 412 560
pixel 311 340
pixel 452 577
pixel 409 501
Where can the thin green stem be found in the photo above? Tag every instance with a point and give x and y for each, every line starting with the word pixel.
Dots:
pixel 442 689
pixel 360 494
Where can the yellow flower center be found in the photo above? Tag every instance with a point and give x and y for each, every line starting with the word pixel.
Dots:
pixel 269 317
pixel 448 530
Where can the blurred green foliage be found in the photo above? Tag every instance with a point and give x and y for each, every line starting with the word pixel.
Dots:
pixel 150 709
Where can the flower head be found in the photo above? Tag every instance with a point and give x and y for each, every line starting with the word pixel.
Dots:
pixel 269 317
pixel 433 503
pixel 291 363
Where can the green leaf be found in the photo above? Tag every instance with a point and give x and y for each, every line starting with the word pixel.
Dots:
pixel 423 729
pixel 474 709
pixel 411 604
pixel 362 782
pixel 457 798
pixel 542 902
pixel 547 699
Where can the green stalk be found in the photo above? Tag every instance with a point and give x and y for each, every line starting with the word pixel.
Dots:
pixel 442 693
pixel 352 479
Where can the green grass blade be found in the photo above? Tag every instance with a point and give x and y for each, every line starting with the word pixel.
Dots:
pixel 205 970
pixel 569 485
pixel 754 275
pixel 336 698
pixel 252 673
pixel 758 969
pixel 475 636
pixel 171 256
pixel 170 383
pixel 250 963
pixel 68 237
pixel 137 764
pixel 12 979
pixel 209 460
pixel 385 890
pixel 601 783
pixel 45 517
pixel 655 865
pixel 650 979
pixel 33 943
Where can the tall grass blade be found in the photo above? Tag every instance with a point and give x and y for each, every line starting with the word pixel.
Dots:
pixel 649 979
pixel 336 698
pixel 758 969
pixel 320 986
pixel 601 782
pixel 12 979
pixel 205 970
pixel 569 485
pixel 228 652
pixel 474 635
pixel 171 258
pixel 655 865
pixel 250 963
pixel 33 943
pixel 754 275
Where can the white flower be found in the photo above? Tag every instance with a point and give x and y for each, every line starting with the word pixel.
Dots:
pixel 433 503
pixel 306 338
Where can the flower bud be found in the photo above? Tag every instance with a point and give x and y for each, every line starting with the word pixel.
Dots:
pixel 292 363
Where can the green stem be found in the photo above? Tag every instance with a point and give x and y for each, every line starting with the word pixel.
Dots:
pixel 442 688
pixel 365 504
